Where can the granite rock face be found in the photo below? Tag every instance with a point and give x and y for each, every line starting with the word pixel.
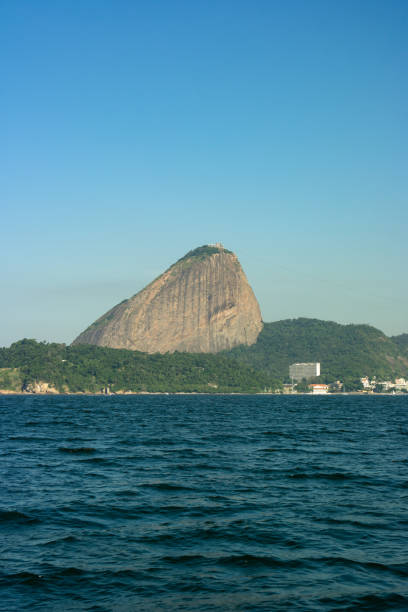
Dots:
pixel 201 304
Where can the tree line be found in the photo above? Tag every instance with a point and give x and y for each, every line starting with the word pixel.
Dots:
pixel 88 368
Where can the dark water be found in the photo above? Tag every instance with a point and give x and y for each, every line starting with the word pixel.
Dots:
pixel 204 503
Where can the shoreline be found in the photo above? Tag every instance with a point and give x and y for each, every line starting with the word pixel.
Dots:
pixel 5 392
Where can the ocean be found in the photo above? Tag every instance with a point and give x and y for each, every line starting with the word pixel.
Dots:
pixel 190 502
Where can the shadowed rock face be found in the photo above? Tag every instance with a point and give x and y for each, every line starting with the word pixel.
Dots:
pixel 201 304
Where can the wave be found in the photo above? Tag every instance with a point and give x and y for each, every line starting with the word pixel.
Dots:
pixel 79 449
pixel 248 560
pixel 332 476
pixel 68 538
pixel 400 569
pixel 356 523
pixel 14 516
pixel 166 486
pixel 103 460
pixel 370 602
pixel 184 559
pixel 32 578
pixel 280 434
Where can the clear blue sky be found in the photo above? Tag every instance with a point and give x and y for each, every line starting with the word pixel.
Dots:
pixel 132 132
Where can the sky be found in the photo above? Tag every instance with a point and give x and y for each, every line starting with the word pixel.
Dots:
pixel 132 132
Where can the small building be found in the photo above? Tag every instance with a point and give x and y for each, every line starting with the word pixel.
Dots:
pixel 299 371
pixel 386 385
pixel 319 389
pixel 368 385
pixel 401 384
pixel 365 381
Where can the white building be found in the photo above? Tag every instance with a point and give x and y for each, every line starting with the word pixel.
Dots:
pixel 319 389
pixel 299 371
pixel 401 384
pixel 367 384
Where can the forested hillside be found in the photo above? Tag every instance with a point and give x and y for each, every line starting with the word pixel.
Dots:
pixel 92 368
pixel 344 351
pixel 402 342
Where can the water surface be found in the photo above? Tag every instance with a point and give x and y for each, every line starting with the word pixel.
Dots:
pixel 204 503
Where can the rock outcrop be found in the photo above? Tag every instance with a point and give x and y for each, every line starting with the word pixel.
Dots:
pixel 39 386
pixel 201 304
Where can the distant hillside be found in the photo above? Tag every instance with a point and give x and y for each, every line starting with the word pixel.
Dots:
pixel 402 342
pixel 92 368
pixel 344 351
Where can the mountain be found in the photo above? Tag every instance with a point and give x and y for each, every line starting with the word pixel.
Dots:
pixel 202 304
pixel 344 351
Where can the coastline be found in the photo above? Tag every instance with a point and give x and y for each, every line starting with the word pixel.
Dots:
pixel 5 392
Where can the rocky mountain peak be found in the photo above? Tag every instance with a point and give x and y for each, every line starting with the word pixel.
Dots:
pixel 203 303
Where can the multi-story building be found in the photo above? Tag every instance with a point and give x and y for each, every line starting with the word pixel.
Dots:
pixel 299 371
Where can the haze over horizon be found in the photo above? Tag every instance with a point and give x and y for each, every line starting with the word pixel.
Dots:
pixel 133 133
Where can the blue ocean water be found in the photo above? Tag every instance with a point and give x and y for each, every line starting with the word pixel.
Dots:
pixel 203 503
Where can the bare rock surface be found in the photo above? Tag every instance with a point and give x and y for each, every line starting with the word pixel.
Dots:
pixel 40 386
pixel 201 304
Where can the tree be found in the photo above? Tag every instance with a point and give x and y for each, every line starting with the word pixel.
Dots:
pixel 303 386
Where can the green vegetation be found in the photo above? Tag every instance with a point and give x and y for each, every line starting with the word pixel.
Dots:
pixel 202 252
pixel 303 386
pixel 10 379
pixel 346 352
pixel 196 255
pixel 402 342
pixel 87 368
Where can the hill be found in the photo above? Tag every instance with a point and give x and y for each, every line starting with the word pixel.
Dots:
pixel 86 368
pixel 344 351
pixel 202 304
